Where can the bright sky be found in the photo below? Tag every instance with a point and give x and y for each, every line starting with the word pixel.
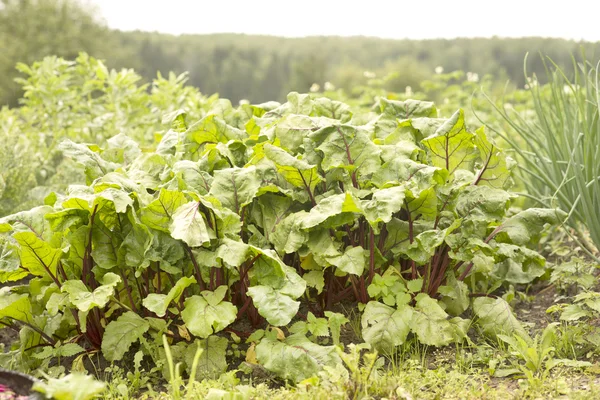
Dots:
pixel 573 19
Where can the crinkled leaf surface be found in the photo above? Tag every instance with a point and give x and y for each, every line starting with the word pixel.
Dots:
pixel 235 187
pixel 158 303
pixel 189 225
pixel 208 314
pixel 121 333
pixel 277 308
pixel 84 299
pixel 495 317
pixel 37 256
pixel 385 327
pixel 296 358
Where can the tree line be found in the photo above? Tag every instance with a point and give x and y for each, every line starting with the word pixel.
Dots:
pixel 259 68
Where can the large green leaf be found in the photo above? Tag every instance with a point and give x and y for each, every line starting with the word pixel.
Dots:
pixel 84 299
pixel 235 187
pixel 296 358
pixel 95 165
pixel 14 305
pixel 37 256
pixel 352 261
pixel 385 327
pixel 208 314
pixel 33 220
pixel 213 361
pixel 75 386
pixel 10 263
pixel 526 226
pixel 430 322
pixel 158 303
pixel 189 225
pixel 451 146
pixel 333 211
pixel 495 317
pixel 344 146
pixel 121 333
pixel 212 129
pixel 297 172
pixel 277 308
pixel 193 176
pixel 495 166
pixel 407 108
pixel 383 204
pixel 157 215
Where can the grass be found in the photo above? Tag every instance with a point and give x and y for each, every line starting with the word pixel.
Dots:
pixel 410 381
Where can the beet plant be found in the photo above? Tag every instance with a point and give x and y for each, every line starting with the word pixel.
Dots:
pixel 268 215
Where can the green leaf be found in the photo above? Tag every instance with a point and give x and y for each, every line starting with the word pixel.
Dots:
pixel 288 237
pixel 573 312
pixel 13 305
pixel 296 358
pixel 62 220
pixel 10 263
pixel 212 129
pixel 121 333
pixel 336 321
pixel 333 109
pixel 189 225
pixel 346 147
pixel 297 172
pixel 83 299
pixel 157 215
pixel 328 210
pixel 158 303
pixel 315 279
pixel 71 387
pixel 517 264
pixel 430 322
pixel 496 317
pixel 235 187
pixel 193 176
pixel 212 362
pixel 37 256
pixel 482 202
pixel 383 204
pixel 407 108
pixel 455 295
pixel 278 309
pixel 495 168
pixel 292 129
pixel 95 165
pixel 451 146
pixel 526 226
pixel 136 246
pixel 30 221
pixel 351 262
pixel 207 314
pixel 384 327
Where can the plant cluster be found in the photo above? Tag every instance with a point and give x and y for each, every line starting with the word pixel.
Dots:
pixel 264 215
pixel 84 101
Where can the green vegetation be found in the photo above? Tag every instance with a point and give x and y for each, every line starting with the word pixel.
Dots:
pixel 562 146
pixel 258 68
pixel 366 238
pixel 315 243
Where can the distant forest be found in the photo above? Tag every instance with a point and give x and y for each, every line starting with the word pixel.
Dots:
pixel 259 68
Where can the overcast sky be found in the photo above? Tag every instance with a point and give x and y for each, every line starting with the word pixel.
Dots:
pixel 572 19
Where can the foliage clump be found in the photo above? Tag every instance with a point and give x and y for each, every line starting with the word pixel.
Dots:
pixel 270 214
